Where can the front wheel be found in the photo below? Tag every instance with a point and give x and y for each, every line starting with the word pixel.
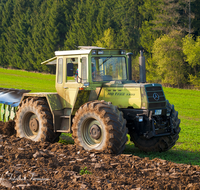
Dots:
pixel 159 144
pixel 34 121
pixel 100 126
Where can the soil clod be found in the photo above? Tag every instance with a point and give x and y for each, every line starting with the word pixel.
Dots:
pixel 25 164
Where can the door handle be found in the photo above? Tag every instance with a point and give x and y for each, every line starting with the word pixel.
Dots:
pixel 65 87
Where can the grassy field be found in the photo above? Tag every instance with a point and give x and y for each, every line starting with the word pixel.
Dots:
pixel 36 82
pixel 187 103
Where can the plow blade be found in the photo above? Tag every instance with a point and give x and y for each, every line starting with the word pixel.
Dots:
pixel 10 99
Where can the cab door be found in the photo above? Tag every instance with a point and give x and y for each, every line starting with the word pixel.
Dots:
pixel 60 77
pixel 72 83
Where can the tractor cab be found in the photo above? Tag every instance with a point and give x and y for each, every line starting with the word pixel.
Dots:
pixel 83 72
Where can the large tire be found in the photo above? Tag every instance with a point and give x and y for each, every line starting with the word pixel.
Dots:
pixel 99 125
pixel 34 121
pixel 159 144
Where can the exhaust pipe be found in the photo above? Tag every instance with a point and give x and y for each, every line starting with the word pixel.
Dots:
pixel 142 67
pixel 129 66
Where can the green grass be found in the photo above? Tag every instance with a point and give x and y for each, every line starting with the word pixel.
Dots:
pixel 187 103
pixel 66 138
pixel 36 82
pixel 84 171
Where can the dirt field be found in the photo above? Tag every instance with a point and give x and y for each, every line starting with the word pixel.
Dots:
pixel 25 164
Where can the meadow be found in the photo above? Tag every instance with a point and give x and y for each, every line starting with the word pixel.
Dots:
pixel 187 103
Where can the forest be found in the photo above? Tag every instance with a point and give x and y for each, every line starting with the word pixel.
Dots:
pixel 168 31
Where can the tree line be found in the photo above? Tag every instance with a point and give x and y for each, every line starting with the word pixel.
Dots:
pixel 167 30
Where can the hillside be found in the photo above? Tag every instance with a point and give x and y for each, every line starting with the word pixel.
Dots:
pixel 32 30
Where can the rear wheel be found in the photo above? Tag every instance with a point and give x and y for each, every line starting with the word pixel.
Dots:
pixel 159 144
pixel 100 126
pixel 34 121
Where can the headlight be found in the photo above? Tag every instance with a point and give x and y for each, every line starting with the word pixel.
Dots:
pixel 140 118
pixel 86 84
pixel 158 112
pixel 100 52
pixel 123 52
pixel 94 52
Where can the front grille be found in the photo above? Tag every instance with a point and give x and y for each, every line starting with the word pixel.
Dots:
pixel 160 99
pixel 160 93
pixel 156 105
pixel 154 88
pixel 155 97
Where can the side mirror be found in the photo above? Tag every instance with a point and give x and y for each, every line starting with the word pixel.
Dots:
pixel 70 69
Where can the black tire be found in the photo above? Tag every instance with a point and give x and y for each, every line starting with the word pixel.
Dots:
pixel 159 144
pixel 99 125
pixel 34 121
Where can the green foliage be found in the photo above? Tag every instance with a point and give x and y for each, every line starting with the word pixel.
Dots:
pixel 83 28
pixel 135 68
pixel 168 56
pixel 148 31
pixel 195 21
pixel 127 30
pixel 31 30
pixel 66 138
pixel 195 80
pixel 191 49
pixel 162 17
pixel 84 171
pixel 105 23
pixel 152 76
pixel 108 41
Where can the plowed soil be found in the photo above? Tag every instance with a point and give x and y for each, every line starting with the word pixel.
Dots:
pixel 25 164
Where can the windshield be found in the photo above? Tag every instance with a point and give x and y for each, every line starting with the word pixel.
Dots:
pixel 108 68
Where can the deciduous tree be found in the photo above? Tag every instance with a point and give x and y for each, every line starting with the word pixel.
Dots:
pixel 191 49
pixel 168 59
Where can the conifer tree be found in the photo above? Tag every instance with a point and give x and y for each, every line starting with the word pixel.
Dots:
pixel 16 35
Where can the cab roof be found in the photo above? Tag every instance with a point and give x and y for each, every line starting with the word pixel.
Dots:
pixel 82 50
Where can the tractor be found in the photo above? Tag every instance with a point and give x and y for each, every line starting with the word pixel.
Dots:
pixel 98 102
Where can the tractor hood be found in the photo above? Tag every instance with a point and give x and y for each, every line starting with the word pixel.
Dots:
pixel 133 95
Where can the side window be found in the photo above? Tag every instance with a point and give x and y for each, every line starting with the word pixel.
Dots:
pixel 60 71
pixel 84 69
pixel 75 69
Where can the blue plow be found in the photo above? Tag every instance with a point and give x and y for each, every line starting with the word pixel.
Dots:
pixel 9 99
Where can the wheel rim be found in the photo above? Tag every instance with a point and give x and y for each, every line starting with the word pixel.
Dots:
pixel 92 133
pixel 30 125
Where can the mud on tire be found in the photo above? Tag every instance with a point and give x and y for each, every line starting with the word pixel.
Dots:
pixel 34 121
pixel 100 126
pixel 159 144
